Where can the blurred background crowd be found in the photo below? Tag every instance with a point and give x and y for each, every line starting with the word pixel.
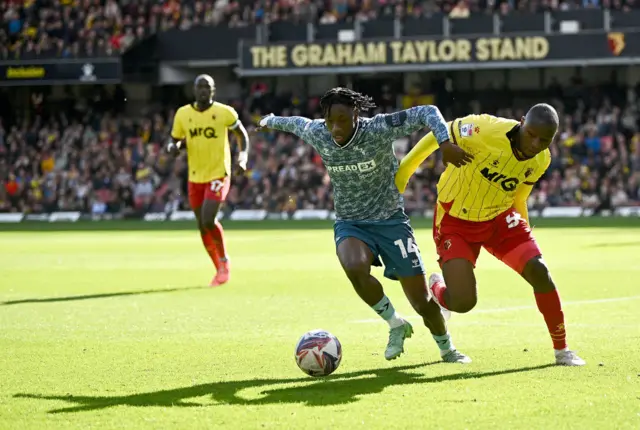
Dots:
pixel 86 155
pixel 89 28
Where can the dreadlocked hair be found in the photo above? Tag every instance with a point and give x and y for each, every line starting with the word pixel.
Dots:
pixel 345 96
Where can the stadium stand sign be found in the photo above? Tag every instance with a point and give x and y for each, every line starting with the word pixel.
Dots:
pixel 61 72
pixel 453 53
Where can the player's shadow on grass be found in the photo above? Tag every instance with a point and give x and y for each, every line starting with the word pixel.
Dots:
pixel 334 390
pixel 97 296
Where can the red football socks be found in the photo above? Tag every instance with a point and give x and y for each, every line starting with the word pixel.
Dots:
pixel 211 248
pixel 551 309
pixel 439 288
pixel 217 234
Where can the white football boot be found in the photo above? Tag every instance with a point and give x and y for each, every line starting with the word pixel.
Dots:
pixel 454 356
pixel 566 357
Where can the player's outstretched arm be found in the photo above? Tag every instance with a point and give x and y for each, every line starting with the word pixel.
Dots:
pixel 291 124
pixel 405 122
pixel 429 116
pixel 451 153
pixel 410 163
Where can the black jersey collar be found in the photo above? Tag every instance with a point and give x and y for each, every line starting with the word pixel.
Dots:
pixel 512 136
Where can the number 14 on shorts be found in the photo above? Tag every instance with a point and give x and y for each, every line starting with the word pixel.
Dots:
pixel 411 247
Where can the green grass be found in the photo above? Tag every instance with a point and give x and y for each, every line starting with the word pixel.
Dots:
pixel 116 330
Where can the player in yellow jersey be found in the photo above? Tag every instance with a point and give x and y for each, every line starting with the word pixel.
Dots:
pixel 202 129
pixel 484 204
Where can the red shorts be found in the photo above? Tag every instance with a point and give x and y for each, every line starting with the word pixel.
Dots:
pixel 215 190
pixel 508 237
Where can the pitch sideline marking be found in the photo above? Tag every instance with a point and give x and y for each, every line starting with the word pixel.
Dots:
pixel 519 308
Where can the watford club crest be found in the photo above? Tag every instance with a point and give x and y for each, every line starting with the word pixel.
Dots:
pixel 616 43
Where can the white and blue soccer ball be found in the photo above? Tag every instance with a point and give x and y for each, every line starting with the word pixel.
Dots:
pixel 318 353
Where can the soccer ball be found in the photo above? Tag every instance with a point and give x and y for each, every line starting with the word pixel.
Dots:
pixel 318 353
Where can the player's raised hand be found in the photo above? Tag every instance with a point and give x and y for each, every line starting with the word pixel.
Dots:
pixel 455 155
pixel 173 148
pixel 262 124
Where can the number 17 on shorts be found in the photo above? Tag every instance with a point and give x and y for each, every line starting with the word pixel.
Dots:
pixel 215 190
pixel 218 189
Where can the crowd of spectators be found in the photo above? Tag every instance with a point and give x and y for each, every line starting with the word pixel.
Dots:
pixel 79 158
pixel 93 28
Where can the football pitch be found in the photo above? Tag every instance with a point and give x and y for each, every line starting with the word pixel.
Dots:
pixel 117 329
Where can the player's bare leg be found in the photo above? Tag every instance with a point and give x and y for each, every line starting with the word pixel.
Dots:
pixel 537 275
pixel 209 225
pixel 457 292
pixel 415 288
pixel 356 260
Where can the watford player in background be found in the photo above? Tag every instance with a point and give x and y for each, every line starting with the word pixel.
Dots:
pixel 484 204
pixel 202 129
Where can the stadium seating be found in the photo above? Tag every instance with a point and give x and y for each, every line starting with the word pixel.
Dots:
pixel 72 29
pixel 113 164
pixel 98 28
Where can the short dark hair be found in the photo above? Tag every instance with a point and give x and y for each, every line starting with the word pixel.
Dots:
pixel 345 96
pixel 543 114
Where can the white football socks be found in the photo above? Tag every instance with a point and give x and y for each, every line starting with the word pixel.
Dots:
pixel 385 309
